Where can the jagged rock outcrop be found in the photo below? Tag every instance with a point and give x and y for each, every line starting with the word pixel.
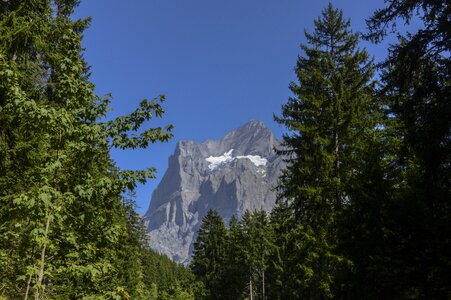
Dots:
pixel 232 175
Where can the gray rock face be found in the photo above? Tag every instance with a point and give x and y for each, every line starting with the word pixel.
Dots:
pixel 232 175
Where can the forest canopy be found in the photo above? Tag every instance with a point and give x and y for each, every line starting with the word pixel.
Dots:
pixel 363 209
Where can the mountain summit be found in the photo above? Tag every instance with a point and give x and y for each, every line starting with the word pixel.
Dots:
pixel 231 175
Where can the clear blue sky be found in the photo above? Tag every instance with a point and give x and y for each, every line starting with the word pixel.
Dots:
pixel 219 63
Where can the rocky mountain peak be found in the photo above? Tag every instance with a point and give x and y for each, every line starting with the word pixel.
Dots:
pixel 255 128
pixel 231 175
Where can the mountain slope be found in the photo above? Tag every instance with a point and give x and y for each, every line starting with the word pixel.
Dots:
pixel 231 175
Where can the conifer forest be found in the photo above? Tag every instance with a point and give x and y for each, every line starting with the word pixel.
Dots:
pixel 364 204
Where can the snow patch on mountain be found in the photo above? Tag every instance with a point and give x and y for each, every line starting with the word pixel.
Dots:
pixel 219 161
pixel 255 159
pixel 231 175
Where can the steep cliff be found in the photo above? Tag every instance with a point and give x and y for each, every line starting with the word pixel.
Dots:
pixel 231 175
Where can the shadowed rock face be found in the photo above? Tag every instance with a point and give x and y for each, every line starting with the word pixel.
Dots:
pixel 232 175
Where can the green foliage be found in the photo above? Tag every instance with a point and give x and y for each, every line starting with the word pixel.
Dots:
pixel 236 272
pixel 164 274
pixel 328 120
pixel 404 221
pixel 209 255
pixel 256 241
pixel 287 277
pixel 232 262
pixel 364 203
pixel 176 293
pixel 67 230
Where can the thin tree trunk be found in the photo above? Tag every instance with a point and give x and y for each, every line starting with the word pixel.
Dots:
pixel 263 285
pixel 337 120
pixel 41 270
pixel 28 287
pixel 337 168
pixel 27 291
pixel 250 288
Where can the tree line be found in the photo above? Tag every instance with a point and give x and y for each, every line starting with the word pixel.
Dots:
pixel 364 205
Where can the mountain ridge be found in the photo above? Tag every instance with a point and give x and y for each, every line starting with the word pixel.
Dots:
pixel 231 175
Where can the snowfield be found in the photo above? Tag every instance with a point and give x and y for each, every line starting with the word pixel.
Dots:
pixel 219 161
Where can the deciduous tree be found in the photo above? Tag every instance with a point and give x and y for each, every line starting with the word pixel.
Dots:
pixel 61 210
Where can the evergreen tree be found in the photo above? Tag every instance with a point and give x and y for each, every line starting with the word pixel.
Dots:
pixel 235 274
pixel 364 227
pixel 285 272
pixel 162 276
pixel 416 83
pixel 328 120
pixel 209 255
pixel 263 239
pixel 256 243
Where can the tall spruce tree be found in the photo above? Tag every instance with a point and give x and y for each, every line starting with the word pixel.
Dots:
pixel 262 236
pixel 255 244
pixel 416 82
pixel 61 205
pixel 365 225
pixel 209 256
pixel 285 272
pixel 235 272
pixel 327 120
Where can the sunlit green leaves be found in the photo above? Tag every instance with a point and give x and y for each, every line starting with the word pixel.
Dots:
pixel 61 197
pixel 120 128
